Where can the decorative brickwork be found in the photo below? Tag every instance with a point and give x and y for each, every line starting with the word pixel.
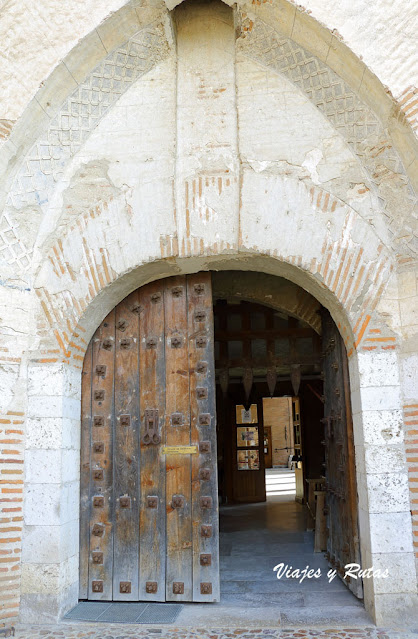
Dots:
pixel 44 164
pixel 12 248
pixel 408 102
pixel 349 116
pixel 11 511
pixel 411 441
pixel 342 268
pixel 5 129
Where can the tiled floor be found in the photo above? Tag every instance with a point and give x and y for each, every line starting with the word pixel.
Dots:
pixel 255 538
pixel 254 603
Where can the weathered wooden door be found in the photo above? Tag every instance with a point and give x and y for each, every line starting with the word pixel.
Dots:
pixel 149 499
pixel 341 489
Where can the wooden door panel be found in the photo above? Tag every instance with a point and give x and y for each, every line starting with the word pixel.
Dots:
pixel 86 417
pixel 153 501
pixel 178 467
pixel 203 429
pixel 343 538
pixel 101 467
pixel 149 516
pixel 126 467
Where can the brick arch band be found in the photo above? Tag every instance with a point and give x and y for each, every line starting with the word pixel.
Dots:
pixel 338 268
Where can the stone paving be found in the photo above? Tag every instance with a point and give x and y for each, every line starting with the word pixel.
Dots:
pixel 132 631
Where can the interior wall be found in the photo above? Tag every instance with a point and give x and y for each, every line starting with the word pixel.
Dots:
pixel 277 413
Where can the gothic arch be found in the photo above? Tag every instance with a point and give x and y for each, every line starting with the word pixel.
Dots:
pixel 134 39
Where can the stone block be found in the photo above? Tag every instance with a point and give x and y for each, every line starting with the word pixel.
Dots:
pixel 353 369
pixel 46 606
pixel 72 382
pixel 311 35
pixel 409 368
pixel 372 92
pixel 380 398
pixel 368 597
pixel 345 63
pixel 42 505
pixel 407 284
pixel 281 15
pixel 85 56
pixel 409 312
pixel 390 532
pixel 359 458
pixel 34 607
pixel 388 492
pixel 41 544
pixel 43 466
pixel 44 406
pixel 46 380
pixel 70 536
pixel 119 28
pixel 50 544
pixel 32 121
pixel 71 408
pixel 53 93
pixel 70 502
pixel 70 465
pixel 44 432
pixel 378 427
pixel 40 578
pixel 7 156
pixel 381 459
pixel 378 369
pixel 71 433
pixel 396 610
pixel 69 572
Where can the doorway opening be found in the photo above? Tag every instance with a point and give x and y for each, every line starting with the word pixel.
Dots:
pixel 287 489
pixel 197 397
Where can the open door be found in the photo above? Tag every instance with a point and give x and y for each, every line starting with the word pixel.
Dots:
pixel 149 498
pixel 341 490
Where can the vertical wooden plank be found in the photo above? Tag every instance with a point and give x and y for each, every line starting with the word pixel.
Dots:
pixel 101 478
pixel 356 585
pixel 203 429
pixel 153 502
pixel 178 467
pixel 86 389
pixel 126 468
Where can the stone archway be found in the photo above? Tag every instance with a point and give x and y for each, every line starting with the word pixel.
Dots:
pixel 58 413
pixel 148 382
pixel 100 201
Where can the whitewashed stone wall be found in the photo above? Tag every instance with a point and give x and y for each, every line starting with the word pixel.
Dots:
pixel 203 139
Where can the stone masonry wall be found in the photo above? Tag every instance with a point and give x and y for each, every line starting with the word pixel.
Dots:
pixel 206 138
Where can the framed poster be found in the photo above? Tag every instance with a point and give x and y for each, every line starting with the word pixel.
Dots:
pixel 244 416
pixel 247 436
pixel 248 460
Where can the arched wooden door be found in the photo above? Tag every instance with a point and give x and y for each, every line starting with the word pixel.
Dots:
pixel 149 499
